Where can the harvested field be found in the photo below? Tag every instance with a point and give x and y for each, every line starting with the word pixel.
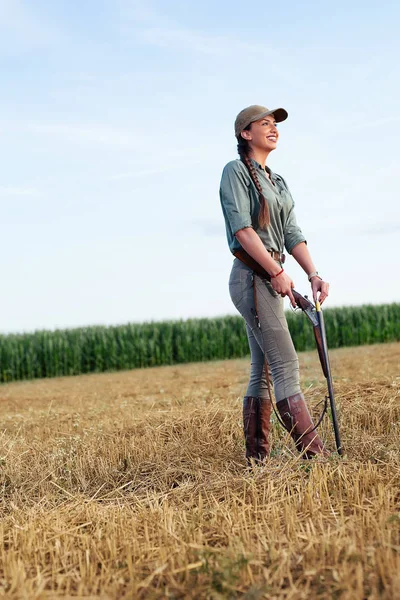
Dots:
pixel 134 485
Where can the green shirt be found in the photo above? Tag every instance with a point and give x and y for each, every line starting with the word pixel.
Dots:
pixel 240 206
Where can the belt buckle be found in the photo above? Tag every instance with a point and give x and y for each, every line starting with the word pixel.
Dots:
pixel 276 255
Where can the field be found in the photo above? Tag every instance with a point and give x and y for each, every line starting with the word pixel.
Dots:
pixel 134 485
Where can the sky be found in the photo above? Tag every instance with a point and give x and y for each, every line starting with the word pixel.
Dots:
pixel 117 120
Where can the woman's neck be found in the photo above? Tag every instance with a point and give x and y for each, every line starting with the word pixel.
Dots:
pixel 259 156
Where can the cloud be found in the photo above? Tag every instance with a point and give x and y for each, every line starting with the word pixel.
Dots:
pixel 208 227
pixel 7 191
pixel 141 11
pixel 382 229
pixel 24 28
pixel 161 169
pixel 86 134
pixel 178 38
pixel 371 123
pixel 186 39
pixel 98 134
pixel 171 35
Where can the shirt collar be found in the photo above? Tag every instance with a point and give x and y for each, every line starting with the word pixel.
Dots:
pixel 258 166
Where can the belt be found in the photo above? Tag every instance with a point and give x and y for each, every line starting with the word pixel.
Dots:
pixel 277 256
pixel 254 265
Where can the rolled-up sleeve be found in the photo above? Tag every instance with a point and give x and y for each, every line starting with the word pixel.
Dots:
pixel 293 235
pixel 235 199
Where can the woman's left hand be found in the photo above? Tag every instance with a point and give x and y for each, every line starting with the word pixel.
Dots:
pixel 318 285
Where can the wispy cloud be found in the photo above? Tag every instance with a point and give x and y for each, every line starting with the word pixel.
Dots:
pixel 8 191
pixel 157 170
pixel 22 27
pixel 98 134
pixel 382 229
pixel 170 34
pixel 179 38
pixel 207 227
pixel 81 133
pixel 356 126
pixel 377 123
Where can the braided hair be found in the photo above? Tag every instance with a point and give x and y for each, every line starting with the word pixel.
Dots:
pixel 243 149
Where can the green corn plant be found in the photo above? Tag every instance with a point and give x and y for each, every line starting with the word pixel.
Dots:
pixel 135 345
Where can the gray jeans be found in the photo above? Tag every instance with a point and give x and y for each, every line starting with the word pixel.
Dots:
pixel 272 337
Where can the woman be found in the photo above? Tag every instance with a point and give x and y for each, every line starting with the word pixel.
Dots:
pixel 260 223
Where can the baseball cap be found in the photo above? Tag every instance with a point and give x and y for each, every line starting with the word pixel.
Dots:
pixel 255 112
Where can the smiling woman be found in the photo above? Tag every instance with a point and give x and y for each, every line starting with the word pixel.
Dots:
pixel 260 224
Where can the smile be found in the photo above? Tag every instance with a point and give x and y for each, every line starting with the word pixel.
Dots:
pixel 271 138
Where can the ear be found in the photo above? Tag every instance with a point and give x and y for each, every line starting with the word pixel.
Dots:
pixel 246 135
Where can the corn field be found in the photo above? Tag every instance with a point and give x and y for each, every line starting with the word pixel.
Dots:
pixel 100 349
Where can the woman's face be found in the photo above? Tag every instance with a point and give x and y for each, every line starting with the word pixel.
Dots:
pixel 263 134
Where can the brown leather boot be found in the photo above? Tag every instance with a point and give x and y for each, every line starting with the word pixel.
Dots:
pixel 264 422
pixel 250 427
pixel 256 426
pixel 296 418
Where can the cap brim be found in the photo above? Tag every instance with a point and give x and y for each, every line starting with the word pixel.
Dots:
pixel 280 115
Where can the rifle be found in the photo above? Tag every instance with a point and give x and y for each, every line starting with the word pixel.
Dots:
pixel 314 314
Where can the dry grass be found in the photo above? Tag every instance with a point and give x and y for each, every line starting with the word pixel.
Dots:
pixel 133 485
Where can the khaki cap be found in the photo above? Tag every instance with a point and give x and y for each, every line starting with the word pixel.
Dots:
pixel 255 113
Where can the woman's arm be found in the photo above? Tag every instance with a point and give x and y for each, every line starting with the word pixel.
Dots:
pixel 302 255
pixel 251 242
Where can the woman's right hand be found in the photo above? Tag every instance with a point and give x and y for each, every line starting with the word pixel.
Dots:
pixel 282 284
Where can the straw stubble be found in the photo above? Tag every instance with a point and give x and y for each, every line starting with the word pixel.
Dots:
pixel 134 485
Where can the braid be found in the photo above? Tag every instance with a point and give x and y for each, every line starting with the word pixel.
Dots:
pixel 264 218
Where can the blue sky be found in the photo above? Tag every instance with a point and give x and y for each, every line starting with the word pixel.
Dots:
pixel 117 119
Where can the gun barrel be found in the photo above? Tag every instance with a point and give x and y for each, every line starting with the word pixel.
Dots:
pixel 329 379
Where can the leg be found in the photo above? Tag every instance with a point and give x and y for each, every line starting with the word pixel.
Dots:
pixel 257 404
pixel 269 331
pixel 294 414
pixel 258 385
pixel 271 334
pixel 292 406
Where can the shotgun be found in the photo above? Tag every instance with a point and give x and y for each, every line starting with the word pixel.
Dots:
pixel 314 314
